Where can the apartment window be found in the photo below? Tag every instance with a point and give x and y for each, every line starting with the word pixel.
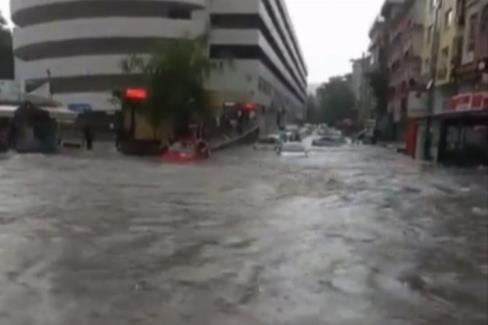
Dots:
pixel 427 65
pixel 430 33
pixel 445 54
pixel 179 14
pixel 432 5
pixel 449 18
pixel 264 86
pixel 473 25
pixel 484 20
pixel 235 21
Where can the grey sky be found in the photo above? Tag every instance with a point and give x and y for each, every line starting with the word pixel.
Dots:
pixel 331 32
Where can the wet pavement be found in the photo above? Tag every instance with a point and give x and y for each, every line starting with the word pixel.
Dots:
pixel 351 235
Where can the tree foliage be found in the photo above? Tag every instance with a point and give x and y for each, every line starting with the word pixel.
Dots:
pixel 6 51
pixel 175 76
pixel 336 100
pixel 312 110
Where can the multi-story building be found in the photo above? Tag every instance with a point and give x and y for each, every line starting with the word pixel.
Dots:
pixel 379 49
pixel 455 58
pixel 378 44
pixel 267 65
pixel 77 47
pixel 438 75
pixel 405 60
pixel 471 70
pixel 441 49
pixel 362 89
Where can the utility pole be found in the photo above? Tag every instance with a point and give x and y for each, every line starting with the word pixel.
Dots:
pixel 433 80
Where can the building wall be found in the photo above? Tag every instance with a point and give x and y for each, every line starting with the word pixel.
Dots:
pixel 78 46
pixel 405 58
pixel 448 30
pixel 475 34
pixel 255 40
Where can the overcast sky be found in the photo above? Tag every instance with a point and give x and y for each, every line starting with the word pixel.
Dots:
pixel 331 32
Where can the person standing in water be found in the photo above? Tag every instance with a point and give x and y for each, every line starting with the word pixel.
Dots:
pixel 88 135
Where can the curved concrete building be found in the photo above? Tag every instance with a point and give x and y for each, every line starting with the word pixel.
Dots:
pixel 78 44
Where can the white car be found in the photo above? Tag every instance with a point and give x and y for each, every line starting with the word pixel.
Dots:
pixel 293 149
pixel 270 142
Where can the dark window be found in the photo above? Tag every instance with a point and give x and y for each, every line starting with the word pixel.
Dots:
pixel 235 21
pixel 430 33
pixel 472 32
pixel 179 14
pixel 96 9
pixel 484 20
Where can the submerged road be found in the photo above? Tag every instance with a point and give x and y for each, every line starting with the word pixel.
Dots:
pixel 351 235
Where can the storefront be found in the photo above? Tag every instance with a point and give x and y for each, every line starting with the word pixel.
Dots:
pixel 460 134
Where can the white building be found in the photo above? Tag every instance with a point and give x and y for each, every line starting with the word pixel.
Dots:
pixel 77 45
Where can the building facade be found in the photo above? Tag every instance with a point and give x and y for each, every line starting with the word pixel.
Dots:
pixel 405 62
pixel 255 45
pixel 77 47
pixel 365 105
pixel 471 69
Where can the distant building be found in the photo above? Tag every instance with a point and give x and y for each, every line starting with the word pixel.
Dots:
pixel 405 59
pixel 362 89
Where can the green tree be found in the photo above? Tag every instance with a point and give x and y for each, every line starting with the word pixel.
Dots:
pixel 6 51
pixel 175 76
pixel 336 100
pixel 312 110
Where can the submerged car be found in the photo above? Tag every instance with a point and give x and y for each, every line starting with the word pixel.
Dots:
pixel 187 150
pixel 271 142
pixel 293 149
pixel 328 141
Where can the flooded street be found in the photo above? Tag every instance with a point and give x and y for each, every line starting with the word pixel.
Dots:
pixel 352 235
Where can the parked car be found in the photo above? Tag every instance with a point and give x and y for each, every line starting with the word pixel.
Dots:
pixel 328 141
pixel 292 149
pixel 270 142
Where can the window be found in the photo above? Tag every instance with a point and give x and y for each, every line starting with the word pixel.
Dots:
pixel 443 69
pixel 449 19
pixel 235 21
pixel 179 14
pixel 430 33
pixel 427 65
pixel 264 86
pixel 445 54
pixel 473 25
pixel 484 20
pixel 432 5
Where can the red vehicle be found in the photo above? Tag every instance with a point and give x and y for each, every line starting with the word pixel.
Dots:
pixel 187 150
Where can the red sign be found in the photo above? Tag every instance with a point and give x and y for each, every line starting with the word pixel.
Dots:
pixel 136 93
pixel 469 102
pixel 249 107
